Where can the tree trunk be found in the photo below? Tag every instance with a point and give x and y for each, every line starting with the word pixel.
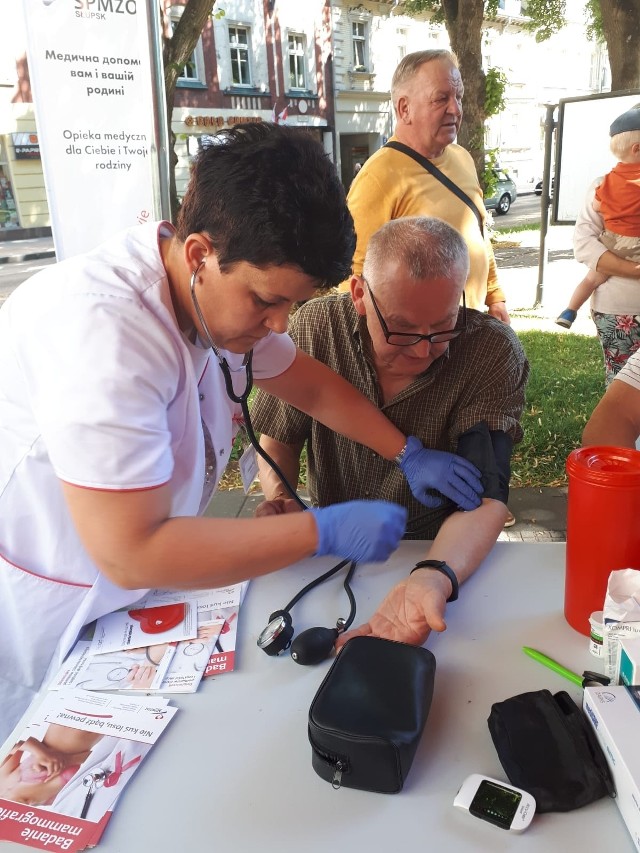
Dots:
pixel 464 27
pixel 177 50
pixel 621 26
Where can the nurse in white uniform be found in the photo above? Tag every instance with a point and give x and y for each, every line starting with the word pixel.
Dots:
pixel 115 421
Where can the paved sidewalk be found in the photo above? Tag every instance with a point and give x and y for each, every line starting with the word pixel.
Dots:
pixel 29 249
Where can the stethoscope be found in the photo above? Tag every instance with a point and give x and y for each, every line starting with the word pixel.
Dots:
pixel 315 644
pixel 93 780
pixel 242 398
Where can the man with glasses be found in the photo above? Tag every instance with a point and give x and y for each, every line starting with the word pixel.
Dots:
pixel 451 377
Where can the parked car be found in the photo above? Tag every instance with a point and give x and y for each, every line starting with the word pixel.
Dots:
pixel 538 188
pixel 505 193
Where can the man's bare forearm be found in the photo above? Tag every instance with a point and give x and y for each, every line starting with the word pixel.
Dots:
pixel 465 538
pixel 287 457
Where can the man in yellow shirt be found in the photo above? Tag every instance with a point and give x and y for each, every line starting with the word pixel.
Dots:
pixel 426 91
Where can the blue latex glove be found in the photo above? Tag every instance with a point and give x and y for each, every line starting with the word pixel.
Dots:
pixel 453 476
pixel 365 531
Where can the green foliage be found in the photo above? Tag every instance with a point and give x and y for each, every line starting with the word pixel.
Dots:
pixel 546 17
pixel 432 7
pixel 495 86
pixel 566 383
pixel 489 177
pixel 437 10
pixel 593 15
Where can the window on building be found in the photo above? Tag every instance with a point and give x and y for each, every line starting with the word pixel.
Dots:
pixel 401 41
pixel 239 48
pixel 193 71
pixel 359 39
pixel 297 61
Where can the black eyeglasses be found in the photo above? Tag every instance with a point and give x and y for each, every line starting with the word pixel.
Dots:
pixel 409 339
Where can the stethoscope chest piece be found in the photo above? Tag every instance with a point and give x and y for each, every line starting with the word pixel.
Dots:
pixel 276 637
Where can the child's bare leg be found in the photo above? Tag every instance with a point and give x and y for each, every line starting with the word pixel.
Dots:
pixel 579 296
pixel 584 290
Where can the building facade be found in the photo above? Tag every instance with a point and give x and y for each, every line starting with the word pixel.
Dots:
pixel 370 38
pixel 324 66
pixel 261 61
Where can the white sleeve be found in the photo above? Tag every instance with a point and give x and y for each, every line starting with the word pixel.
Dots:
pixel 273 355
pixel 103 375
pixel 587 247
pixel 630 373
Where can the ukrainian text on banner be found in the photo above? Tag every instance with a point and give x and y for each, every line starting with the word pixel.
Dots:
pixel 91 76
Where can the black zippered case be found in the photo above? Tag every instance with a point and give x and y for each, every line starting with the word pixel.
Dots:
pixel 368 715
pixel 547 747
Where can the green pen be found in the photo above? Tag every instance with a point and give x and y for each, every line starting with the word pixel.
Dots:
pixel 554 665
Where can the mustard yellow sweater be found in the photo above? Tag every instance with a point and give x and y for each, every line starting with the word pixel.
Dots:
pixel 391 185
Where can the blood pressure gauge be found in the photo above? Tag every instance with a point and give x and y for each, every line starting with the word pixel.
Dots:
pixel 276 637
pixel 496 802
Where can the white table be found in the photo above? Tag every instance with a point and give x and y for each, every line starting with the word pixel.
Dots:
pixel 233 771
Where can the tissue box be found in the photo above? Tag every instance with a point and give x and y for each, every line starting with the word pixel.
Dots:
pixel 614 713
pixel 629 664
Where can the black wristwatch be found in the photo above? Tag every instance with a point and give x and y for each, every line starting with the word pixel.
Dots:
pixel 441 566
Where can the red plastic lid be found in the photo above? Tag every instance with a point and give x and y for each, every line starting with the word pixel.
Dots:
pixel 618 466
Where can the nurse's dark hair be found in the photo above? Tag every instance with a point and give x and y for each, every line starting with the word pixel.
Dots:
pixel 269 195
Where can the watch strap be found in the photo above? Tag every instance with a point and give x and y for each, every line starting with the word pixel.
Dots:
pixel 398 459
pixel 441 566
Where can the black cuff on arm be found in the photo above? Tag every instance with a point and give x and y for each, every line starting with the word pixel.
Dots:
pixel 490 451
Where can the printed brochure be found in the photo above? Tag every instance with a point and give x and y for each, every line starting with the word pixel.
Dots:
pixel 223 603
pixel 144 626
pixel 60 780
pixel 166 668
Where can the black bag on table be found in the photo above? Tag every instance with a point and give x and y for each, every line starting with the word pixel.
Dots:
pixel 368 715
pixel 547 747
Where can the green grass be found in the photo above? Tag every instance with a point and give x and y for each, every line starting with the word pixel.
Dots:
pixel 514 229
pixel 566 382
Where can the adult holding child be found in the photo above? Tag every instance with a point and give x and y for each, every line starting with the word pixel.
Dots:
pixel 612 251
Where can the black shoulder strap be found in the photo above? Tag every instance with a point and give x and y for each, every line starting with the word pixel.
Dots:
pixel 433 170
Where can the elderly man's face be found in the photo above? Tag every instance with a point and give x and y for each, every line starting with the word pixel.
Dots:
pixel 433 105
pixel 410 306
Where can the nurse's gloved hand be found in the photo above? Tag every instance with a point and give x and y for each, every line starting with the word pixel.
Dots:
pixel 451 475
pixel 365 531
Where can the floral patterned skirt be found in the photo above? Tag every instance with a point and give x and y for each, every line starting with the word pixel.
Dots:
pixel 619 337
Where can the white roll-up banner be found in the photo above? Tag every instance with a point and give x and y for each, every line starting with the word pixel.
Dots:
pixel 90 64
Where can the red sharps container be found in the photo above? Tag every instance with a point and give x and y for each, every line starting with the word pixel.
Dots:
pixel 603 526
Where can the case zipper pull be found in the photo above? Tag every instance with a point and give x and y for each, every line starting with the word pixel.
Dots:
pixel 337 776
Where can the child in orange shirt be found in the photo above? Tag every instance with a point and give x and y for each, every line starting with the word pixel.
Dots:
pixel 617 199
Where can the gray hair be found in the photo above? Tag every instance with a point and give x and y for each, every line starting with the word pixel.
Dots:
pixel 621 143
pixel 412 62
pixel 426 246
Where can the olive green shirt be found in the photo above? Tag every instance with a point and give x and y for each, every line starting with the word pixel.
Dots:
pixel 481 377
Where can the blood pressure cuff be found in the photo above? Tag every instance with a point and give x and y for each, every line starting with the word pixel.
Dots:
pixel 490 451
pixel 547 747
pixel 368 715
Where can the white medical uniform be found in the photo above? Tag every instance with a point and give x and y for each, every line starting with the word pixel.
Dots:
pixel 100 389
